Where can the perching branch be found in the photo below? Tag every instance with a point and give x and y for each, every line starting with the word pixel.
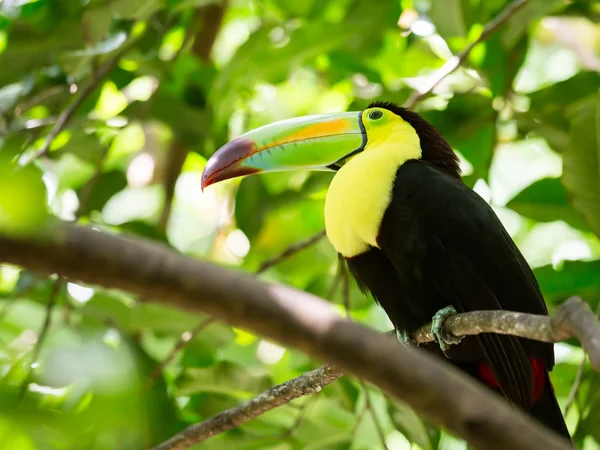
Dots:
pixel 456 61
pixel 295 319
pixel 548 329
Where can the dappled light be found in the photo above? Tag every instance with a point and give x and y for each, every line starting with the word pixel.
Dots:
pixel 109 112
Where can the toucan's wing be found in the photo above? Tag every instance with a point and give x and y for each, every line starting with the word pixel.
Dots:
pixel 470 261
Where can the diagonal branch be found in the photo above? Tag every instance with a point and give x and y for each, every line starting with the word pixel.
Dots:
pixel 54 291
pixel 291 250
pixel 456 61
pixel 293 318
pixel 548 329
pixel 66 116
pixel 306 384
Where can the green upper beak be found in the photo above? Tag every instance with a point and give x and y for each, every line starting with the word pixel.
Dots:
pixel 314 142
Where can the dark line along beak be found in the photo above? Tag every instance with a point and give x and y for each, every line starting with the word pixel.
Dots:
pixel 314 142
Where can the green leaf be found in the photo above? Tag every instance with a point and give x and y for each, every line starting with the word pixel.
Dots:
pixel 410 425
pixel 447 16
pixel 226 379
pixel 501 64
pixel 107 185
pixel 546 115
pixel 581 161
pixel 469 125
pixel 580 278
pixel 517 25
pixel 546 201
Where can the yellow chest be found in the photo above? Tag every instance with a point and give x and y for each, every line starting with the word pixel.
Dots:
pixel 357 199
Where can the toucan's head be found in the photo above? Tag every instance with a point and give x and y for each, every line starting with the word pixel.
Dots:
pixel 325 142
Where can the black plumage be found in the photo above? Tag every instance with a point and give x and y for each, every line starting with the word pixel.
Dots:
pixel 441 244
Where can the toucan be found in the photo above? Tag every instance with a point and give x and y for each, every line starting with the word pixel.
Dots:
pixel 414 236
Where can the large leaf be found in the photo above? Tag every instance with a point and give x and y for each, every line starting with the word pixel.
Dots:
pixel 546 201
pixel 581 161
pixel 572 278
pixel 546 115
pixel 469 126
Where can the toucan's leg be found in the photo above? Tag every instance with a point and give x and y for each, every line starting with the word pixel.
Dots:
pixel 444 340
pixel 403 337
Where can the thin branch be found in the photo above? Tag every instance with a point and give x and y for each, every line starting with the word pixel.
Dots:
pixel 578 377
pixel 56 286
pixel 345 278
pixel 66 116
pixel 459 324
pixel 306 384
pixel 456 61
pixel 301 415
pixel 299 320
pixel 290 251
pixel 369 406
pixel 575 387
pixel 185 338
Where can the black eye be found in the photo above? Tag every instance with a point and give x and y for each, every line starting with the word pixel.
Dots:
pixel 375 114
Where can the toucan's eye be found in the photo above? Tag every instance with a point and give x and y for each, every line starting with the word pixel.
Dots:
pixel 375 114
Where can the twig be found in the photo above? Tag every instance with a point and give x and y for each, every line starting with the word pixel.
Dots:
pixel 578 377
pixel 301 415
pixel 299 320
pixel 369 406
pixel 504 322
pixel 290 251
pixel 56 286
pixel 575 387
pixel 344 277
pixel 456 61
pixel 44 95
pixel 185 338
pixel 66 116
pixel 306 384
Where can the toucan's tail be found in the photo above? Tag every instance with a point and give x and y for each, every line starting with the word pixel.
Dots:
pixel 547 411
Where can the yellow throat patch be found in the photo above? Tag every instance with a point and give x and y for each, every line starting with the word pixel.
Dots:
pixel 361 190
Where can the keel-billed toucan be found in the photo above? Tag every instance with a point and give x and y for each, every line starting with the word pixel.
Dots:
pixel 413 235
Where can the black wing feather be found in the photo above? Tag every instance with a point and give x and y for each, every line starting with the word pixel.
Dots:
pixel 439 229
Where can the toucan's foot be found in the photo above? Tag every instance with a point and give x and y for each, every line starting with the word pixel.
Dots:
pixel 444 340
pixel 403 337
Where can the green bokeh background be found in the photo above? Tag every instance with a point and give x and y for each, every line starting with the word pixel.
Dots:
pixel 523 113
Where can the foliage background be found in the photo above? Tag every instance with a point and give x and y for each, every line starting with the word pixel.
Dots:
pixel 172 80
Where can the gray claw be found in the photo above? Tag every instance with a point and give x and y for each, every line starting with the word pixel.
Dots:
pixel 444 340
pixel 404 338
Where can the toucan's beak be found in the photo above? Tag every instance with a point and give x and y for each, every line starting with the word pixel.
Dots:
pixel 317 142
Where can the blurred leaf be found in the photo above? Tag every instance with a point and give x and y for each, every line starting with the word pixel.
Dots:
pixel 26 212
pixel 226 379
pixel 546 115
pixel 580 278
pixel 85 146
pixel 517 25
pixel 469 125
pixel 28 52
pixel 107 185
pixel 581 161
pixel 447 16
pixel 502 64
pixel 546 201
pixel 410 425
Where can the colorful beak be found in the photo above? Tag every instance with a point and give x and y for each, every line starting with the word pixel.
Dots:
pixel 314 142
